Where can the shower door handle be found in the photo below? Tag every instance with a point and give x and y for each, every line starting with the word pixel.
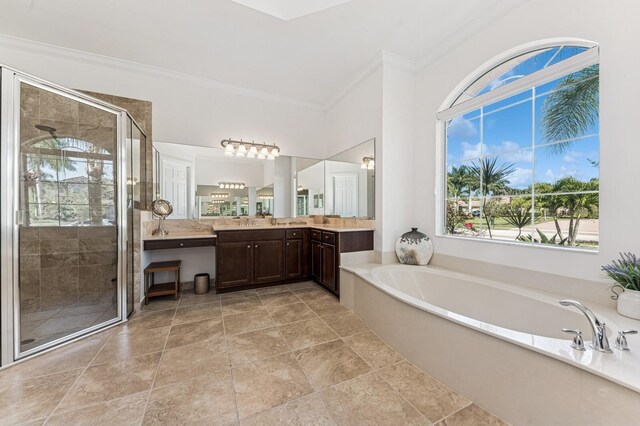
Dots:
pixel 19 217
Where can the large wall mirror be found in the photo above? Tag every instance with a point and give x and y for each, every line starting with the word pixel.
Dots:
pixel 200 182
pixel 350 182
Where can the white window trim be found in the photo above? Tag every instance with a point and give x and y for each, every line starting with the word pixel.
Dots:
pixel 447 112
pixel 573 64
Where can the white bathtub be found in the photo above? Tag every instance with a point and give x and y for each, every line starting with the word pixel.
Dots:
pixel 437 319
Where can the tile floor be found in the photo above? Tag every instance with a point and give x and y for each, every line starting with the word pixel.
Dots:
pixel 38 328
pixel 287 355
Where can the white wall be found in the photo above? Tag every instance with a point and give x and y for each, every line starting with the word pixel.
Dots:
pixel 615 28
pixel 312 179
pixel 356 117
pixel 394 159
pixel 185 109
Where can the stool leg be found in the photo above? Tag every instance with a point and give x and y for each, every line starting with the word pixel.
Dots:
pixel 146 287
pixel 177 284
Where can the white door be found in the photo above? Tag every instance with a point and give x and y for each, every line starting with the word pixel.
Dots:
pixel 345 194
pixel 175 181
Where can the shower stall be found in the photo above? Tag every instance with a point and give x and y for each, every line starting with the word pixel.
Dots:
pixel 72 171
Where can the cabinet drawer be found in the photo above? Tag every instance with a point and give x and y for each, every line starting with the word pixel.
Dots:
pixel 328 237
pixel 250 235
pixel 294 233
pixel 316 235
pixel 177 243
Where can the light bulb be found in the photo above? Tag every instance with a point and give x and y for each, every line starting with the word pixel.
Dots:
pixel 250 154
pixel 264 151
pixel 364 165
pixel 242 186
pixel 242 149
pixel 253 150
pixel 270 157
pixel 229 148
pixel 228 153
pixel 372 164
pixel 275 152
pixel 261 156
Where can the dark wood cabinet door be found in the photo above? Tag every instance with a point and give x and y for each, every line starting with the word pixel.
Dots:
pixel 316 261
pixel 268 261
pixel 293 259
pixel 329 266
pixel 234 263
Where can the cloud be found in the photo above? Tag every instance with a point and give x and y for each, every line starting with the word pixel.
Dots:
pixel 462 128
pixel 549 175
pixel 520 178
pixel 473 150
pixel 568 158
pixel 507 151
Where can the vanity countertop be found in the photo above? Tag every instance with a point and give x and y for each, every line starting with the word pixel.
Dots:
pixel 176 236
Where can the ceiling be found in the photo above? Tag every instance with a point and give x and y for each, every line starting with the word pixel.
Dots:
pixel 311 58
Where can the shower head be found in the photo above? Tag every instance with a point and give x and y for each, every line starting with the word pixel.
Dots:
pixel 46 128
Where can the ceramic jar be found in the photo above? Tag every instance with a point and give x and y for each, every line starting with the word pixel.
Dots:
pixel 629 304
pixel 414 248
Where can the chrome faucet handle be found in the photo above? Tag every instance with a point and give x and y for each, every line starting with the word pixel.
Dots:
pixel 578 342
pixel 621 340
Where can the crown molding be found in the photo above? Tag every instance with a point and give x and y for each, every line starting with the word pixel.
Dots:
pixel 359 78
pixel 51 50
pixel 384 58
pixel 398 62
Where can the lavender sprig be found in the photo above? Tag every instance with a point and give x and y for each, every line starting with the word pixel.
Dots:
pixel 625 271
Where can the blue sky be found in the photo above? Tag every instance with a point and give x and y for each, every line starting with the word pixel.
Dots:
pixel 507 132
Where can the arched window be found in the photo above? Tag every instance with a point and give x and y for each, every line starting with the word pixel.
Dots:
pixel 67 182
pixel 522 150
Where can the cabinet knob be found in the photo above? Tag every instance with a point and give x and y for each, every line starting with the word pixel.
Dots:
pixel 249 246
pixel 287 243
pixel 256 246
pixel 181 244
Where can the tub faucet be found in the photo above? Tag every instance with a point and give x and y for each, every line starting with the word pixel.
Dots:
pixel 599 341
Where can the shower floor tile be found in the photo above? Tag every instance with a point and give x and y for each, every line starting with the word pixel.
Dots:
pixel 242 359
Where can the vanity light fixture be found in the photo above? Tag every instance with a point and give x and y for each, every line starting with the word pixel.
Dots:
pixel 266 196
pixel 368 163
pixel 231 185
pixel 219 194
pixel 250 149
pixel 212 202
pixel 300 188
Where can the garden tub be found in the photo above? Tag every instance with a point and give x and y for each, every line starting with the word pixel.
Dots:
pixel 501 345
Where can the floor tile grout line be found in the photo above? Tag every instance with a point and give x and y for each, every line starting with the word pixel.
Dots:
pixel 155 374
pixel 402 396
pixel 451 414
pixel 75 382
pixel 233 381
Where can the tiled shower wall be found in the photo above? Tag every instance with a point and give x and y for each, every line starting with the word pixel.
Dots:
pixel 63 267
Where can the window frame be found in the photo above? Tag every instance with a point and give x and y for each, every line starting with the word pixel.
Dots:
pixel 449 110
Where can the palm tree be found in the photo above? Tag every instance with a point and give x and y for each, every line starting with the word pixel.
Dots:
pixel 519 218
pixel 579 202
pixel 493 180
pixel 460 183
pixel 572 109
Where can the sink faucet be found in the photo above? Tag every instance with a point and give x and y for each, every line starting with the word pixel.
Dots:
pixel 599 341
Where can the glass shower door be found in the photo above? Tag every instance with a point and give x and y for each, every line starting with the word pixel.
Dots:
pixel 67 219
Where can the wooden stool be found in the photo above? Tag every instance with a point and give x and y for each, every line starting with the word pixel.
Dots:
pixel 161 289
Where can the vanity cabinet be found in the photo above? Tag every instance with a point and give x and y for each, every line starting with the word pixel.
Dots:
pixel 255 258
pixel 296 254
pixel 245 258
pixel 326 248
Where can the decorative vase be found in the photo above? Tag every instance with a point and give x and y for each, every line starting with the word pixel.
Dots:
pixel 629 304
pixel 414 248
